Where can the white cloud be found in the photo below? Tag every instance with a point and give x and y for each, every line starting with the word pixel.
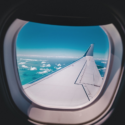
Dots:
pixel 42 72
pixel 58 68
pixel 100 59
pixel 48 70
pixel 22 62
pixel 43 62
pixel 103 68
pixel 19 55
pixel 24 66
pixel 44 65
pixel 48 65
pixel 33 68
pixel 59 64
pixel 29 59
pixel 41 69
pixel 103 62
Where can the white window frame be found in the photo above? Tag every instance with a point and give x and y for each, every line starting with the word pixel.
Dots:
pixel 92 111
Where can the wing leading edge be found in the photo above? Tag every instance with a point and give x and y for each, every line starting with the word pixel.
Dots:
pixel 71 86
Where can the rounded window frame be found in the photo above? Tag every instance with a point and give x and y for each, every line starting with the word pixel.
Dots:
pixel 34 108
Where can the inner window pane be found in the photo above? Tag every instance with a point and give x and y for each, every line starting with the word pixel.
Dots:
pixel 61 66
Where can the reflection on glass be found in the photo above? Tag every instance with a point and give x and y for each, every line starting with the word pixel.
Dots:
pixel 61 66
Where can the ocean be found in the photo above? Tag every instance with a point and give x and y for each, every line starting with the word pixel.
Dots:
pixel 31 69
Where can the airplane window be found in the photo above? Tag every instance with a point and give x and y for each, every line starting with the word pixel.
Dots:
pixel 61 66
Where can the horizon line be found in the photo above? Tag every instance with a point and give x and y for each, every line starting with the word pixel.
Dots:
pixel 96 58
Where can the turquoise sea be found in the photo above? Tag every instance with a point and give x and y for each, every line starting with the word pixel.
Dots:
pixel 32 69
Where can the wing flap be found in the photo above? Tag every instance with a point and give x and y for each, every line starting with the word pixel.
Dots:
pixel 90 75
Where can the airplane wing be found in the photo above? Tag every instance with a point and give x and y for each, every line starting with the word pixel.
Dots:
pixel 71 86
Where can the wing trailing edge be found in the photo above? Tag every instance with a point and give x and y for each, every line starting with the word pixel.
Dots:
pixel 89 75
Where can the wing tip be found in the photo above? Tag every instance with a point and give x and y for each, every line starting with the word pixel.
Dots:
pixel 89 52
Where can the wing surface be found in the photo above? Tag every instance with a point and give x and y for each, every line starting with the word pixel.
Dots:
pixel 71 86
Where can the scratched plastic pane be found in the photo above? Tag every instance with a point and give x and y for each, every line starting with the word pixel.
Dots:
pixel 61 66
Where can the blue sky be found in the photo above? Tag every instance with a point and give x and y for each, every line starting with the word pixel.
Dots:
pixel 54 40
